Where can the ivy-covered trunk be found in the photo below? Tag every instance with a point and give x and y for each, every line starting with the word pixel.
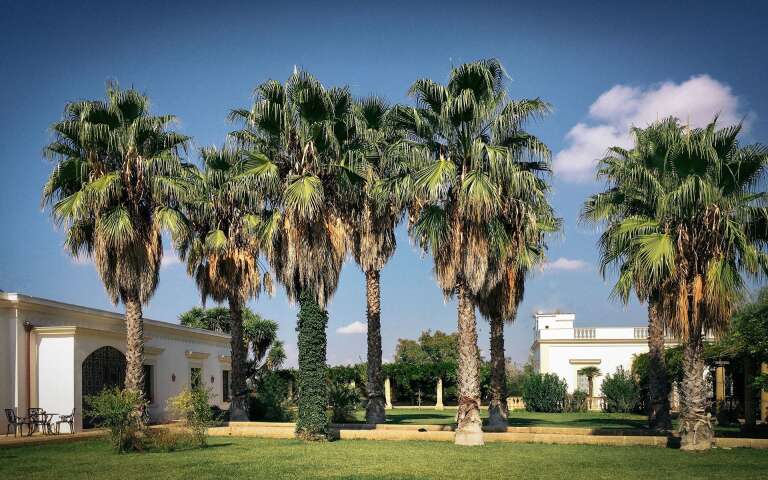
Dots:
pixel 658 384
pixel 374 410
pixel 312 423
pixel 238 406
pixel 696 431
pixel 750 419
pixel 469 429
pixel 497 408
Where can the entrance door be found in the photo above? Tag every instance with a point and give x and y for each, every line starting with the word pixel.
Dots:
pixel 104 368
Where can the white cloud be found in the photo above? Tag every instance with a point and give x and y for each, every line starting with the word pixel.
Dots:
pixel 565 264
pixel 169 259
pixel 353 328
pixel 695 102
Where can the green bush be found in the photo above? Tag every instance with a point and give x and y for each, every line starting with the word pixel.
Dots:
pixel 577 401
pixel 621 392
pixel 272 400
pixel 544 393
pixel 312 423
pixel 343 400
pixel 120 412
pixel 194 407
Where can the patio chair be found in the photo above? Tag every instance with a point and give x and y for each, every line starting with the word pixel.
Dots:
pixel 38 420
pixel 14 421
pixel 69 420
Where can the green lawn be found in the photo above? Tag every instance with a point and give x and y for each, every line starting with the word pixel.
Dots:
pixel 274 459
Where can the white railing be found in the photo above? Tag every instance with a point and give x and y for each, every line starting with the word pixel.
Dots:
pixel 583 333
pixel 641 332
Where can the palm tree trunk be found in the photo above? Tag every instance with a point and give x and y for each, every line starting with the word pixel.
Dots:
pixel 374 410
pixel 469 426
pixel 696 431
pixel 312 423
pixel 497 408
pixel 134 351
pixel 238 405
pixel 658 384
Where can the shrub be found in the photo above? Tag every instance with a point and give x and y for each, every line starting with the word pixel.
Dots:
pixel 271 401
pixel 120 412
pixel 343 400
pixel 621 392
pixel 170 439
pixel 193 406
pixel 577 401
pixel 312 423
pixel 544 393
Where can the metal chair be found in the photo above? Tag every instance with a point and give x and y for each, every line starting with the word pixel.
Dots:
pixel 14 421
pixel 69 420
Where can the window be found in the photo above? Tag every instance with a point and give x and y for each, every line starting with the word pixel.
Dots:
pixel 195 377
pixel 148 390
pixel 225 385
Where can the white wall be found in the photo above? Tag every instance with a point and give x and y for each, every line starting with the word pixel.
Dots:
pixel 557 358
pixel 56 374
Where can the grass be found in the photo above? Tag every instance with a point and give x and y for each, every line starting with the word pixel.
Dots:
pixel 250 458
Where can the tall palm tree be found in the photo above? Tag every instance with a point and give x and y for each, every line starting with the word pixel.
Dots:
pixel 701 223
pixel 116 186
pixel 470 175
pixel 222 248
pixel 590 372
pixel 373 221
pixel 621 201
pixel 307 163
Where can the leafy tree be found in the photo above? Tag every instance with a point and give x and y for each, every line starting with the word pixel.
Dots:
pixel 431 347
pixel 622 394
pixel 116 186
pixel 469 174
pixel 701 224
pixel 300 137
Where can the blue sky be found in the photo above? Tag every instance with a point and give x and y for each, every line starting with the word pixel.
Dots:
pixel 602 65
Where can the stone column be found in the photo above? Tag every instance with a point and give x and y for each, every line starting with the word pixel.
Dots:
pixel 439 405
pixel 387 394
pixel 764 396
pixel 720 383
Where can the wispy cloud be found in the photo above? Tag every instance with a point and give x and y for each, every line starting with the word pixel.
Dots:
pixel 353 328
pixel 169 259
pixel 565 264
pixel 695 101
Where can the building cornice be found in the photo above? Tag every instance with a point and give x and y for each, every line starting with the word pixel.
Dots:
pixel 592 341
pixel 196 355
pixel 25 302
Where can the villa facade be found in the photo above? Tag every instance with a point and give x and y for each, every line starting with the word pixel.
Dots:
pixel 52 354
pixel 561 348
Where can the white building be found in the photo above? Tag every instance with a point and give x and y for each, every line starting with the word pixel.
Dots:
pixel 561 348
pixel 52 354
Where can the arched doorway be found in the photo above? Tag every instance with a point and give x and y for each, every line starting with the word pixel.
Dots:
pixel 104 368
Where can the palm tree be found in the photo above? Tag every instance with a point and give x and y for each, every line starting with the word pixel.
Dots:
pixel 222 249
pixel 590 372
pixel 116 186
pixel 471 176
pixel 611 208
pixel 301 137
pixel 373 221
pixel 703 223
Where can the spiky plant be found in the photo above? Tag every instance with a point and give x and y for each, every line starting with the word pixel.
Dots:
pixel 222 248
pixel 475 169
pixel 116 185
pixel 308 163
pixel 701 225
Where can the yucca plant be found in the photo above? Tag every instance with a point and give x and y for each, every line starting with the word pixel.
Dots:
pixel 301 135
pixel 475 170
pixel 116 186
pixel 222 248
pixel 699 222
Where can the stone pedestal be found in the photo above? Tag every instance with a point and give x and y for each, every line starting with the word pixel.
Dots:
pixel 439 405
pixel 720 383
pixel 387 394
